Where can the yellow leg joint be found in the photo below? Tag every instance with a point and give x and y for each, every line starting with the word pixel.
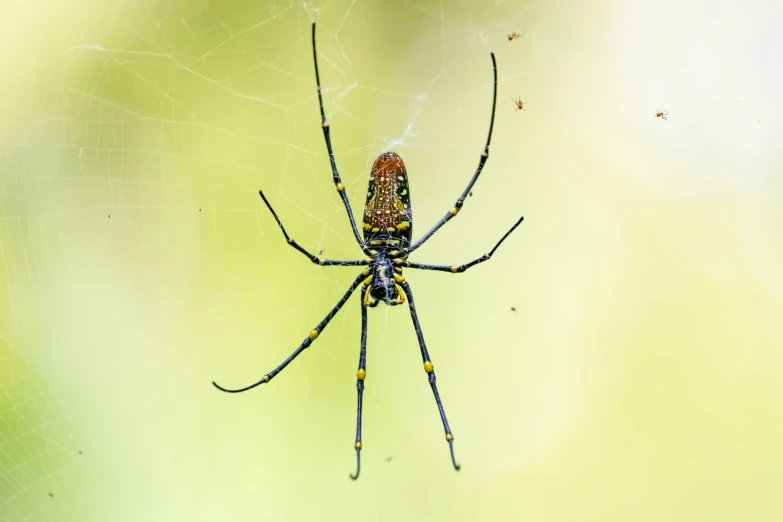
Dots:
pixel 313 335
pixel 398 278
pixel 340 187
pixel 428 367
pixel 367 295
pixel 358 445
pixel 454 211
pixel 361 374
pixel 454 269
pixel 320 260
pixel 367 226
pixel 400 293
pixel 266 378
pixel 449 436
pixel 366 272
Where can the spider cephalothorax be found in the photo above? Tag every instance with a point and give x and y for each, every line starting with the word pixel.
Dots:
pixel 383 282
pixel 387 228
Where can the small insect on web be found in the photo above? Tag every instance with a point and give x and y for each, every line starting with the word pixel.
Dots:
pixel 386 242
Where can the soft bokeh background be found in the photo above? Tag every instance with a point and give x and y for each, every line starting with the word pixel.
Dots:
pixel 638 378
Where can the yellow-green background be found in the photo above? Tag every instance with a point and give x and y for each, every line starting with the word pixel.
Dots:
pixel 639 378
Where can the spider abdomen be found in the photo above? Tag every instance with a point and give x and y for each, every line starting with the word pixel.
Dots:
pixel 387 210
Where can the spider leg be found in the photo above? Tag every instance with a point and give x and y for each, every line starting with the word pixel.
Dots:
pixel 484 155
pixel 360 375
pixel 335 175
pixel 307 342
pixel 314 259
pixel 430 371
pixel 462 268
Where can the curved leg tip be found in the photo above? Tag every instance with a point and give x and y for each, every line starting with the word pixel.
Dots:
pixel 358 466
pixel 457 467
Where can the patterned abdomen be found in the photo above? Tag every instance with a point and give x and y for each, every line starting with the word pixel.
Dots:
pixel 387 212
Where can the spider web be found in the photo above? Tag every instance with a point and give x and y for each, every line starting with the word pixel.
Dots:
pixel 138 263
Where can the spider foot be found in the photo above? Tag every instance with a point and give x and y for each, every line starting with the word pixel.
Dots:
pixel 263 380
pixel 358 462
pixel 450 439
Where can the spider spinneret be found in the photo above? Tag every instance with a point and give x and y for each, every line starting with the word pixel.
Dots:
pixel 386 241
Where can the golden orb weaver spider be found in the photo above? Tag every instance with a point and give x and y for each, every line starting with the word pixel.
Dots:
pixel 387 244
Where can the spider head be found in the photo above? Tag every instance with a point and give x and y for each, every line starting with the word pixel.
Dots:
pixel 383 287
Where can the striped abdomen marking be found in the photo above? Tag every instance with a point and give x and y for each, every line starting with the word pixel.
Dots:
pixel 387 212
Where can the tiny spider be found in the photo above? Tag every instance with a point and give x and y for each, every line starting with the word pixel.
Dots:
pixel 661 114
pixel 519 103
pixel 514 35
pixel 387 244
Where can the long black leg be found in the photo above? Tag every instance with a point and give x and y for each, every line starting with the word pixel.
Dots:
pixel 360 375
pixel 316 260
pixel 335 175
pixel 484 155
pixel 462 268
pixel 307 342
pixel 429 369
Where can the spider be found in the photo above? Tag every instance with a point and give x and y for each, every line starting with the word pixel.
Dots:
pixel 387 245
pixel 661 114
pixel 514 35
pixel 519 103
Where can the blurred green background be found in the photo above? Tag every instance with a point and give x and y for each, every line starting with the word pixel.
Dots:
pixel 619 359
